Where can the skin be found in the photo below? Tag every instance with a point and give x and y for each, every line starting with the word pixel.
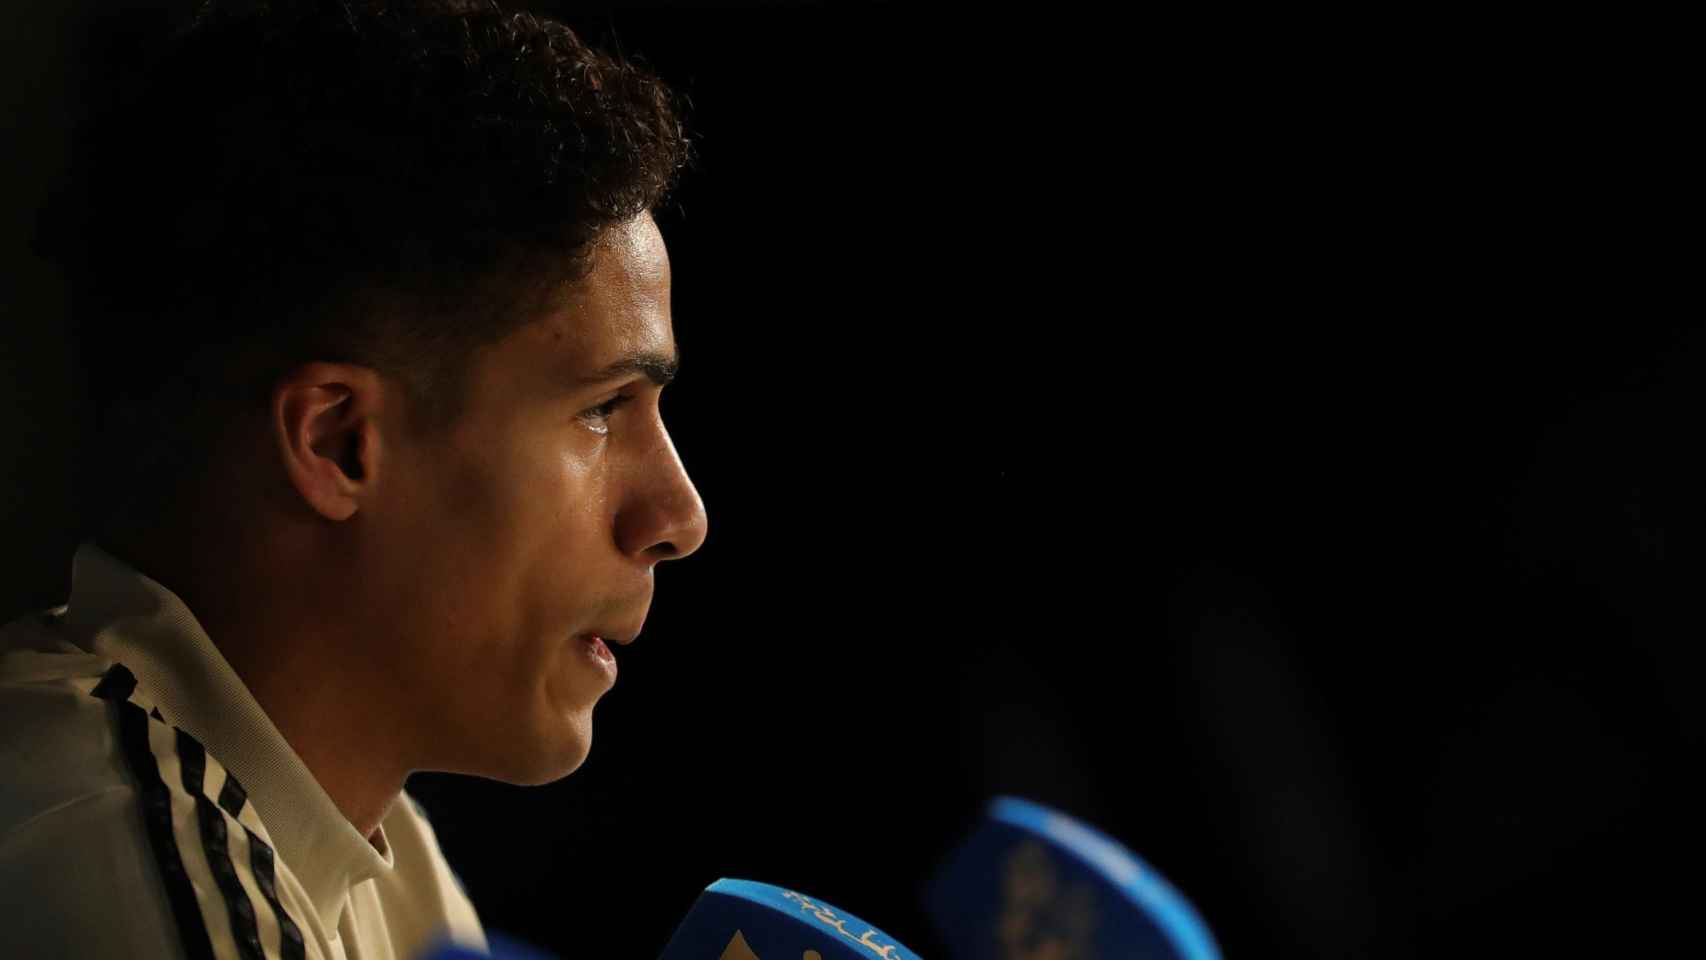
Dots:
pixel 397 603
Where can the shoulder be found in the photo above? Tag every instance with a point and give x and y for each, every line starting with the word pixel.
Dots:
pixel 80 880
pixel 57 741
pixel 123 831
pixel 77 877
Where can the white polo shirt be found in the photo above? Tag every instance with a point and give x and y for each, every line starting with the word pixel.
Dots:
pixel 149 807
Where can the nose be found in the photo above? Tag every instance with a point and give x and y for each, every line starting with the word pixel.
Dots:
pixel 686 532
pixel 667 519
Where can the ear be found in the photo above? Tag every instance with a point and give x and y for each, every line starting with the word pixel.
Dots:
pixel 325 421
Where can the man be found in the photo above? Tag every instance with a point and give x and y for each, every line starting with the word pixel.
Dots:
pixel 377 319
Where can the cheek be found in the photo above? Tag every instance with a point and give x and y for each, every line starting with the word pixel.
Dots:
pixel 537 527
pixel 507 524
pixel 502 493
pixel 561 496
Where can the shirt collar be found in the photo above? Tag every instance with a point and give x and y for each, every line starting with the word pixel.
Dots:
pixel 118 612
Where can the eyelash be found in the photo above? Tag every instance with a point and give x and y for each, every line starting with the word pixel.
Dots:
pixel 604 410
pixel 610 407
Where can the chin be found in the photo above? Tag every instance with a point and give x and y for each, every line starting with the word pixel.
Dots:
pixel 549 773
pixel 548 758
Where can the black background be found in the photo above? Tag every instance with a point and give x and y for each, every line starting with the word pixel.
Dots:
pixel 1272 441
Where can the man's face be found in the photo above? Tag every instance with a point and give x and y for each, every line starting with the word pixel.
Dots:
pixel 536 521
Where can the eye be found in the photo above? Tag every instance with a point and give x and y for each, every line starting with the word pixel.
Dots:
pixel 603 411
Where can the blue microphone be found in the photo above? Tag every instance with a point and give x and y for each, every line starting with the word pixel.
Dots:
pixel 503 948
pixel 1031 881
pixel 740 920
pixel 744 920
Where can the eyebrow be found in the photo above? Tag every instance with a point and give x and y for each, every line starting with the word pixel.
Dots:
pixel 659 368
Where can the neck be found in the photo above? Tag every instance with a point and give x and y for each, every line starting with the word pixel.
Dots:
pixel 303 667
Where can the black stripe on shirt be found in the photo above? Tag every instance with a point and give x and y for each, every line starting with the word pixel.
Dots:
pixel 232 796
pixel 291 946
pixel 117 685
pixel 192 760
pixel 156 801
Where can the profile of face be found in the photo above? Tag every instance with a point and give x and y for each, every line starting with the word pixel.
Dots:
pixel 536 521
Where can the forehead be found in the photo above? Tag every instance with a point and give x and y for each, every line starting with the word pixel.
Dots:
pixel 621 306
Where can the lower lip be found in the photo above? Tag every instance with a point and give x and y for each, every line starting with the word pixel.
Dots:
pixel 600 654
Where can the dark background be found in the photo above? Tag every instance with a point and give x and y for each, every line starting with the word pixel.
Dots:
pixel 1274 442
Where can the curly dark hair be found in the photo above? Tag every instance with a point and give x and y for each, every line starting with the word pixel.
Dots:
pixel 394 183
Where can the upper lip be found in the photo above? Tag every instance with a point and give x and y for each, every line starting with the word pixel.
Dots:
pixel 616 635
